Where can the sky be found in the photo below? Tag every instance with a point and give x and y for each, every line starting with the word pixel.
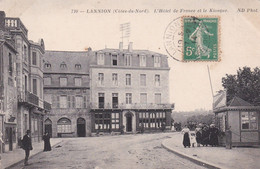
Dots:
pixel 61 29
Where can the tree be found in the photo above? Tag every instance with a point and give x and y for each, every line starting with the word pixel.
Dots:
pixel 245 84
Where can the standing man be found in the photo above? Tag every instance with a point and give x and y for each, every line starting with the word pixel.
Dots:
pixel 27 145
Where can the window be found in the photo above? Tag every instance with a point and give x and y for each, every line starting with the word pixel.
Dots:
pixel 25 83
pixel 101 100
pixel 157 80
pixel 157 98
pixel 63 101
pixel 101 79
pixel 128 79
pixel 157 61
pixel 63 81
pixel 127 60
pixel 249 121
pixel 103 120
pixel 143 98
pixel 35 86
pixel 115 120
pixel 115 100
pixel 34 58
pixel 47 81
pixel 114 60
pixel 63 65
pixel 143 80
pixel 64 125
pixel 114 79
pixel 128 97
pixel 142 60
pixel 100 59
pixel 78 66
pixel 79 102
pixel 151 119
pixel 47 65
pixel 10 64
pixel 25 52
pixel 78 81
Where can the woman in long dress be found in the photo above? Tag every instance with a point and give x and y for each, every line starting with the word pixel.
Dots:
pixel 47 144
pixel 186 136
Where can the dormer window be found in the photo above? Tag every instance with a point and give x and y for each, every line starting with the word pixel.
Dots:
pixel 47 65
pixel 127 60
pixel 78 66
pixel 63 65
pixel 114 59
pixel 157 61
pixel 100 59
pixel 142 60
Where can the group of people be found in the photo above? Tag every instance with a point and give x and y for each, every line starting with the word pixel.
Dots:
pixel 204 135
pixel 27 144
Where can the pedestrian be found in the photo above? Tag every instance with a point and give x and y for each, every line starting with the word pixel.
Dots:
pixel 213 135
pixel 142 127
pixel 186 138
pixel 27 145
pixel 205 136
pixel 192 139
pixel 98 130
pixel 198 134
pixel 163 126
pixel 47 144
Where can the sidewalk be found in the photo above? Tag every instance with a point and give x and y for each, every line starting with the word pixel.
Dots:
pixel 215 157
pixel 10 158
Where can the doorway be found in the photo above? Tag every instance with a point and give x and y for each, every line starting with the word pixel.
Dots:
pixel 48 127
pixel 81 127
pixel 10 138
pixel 129 123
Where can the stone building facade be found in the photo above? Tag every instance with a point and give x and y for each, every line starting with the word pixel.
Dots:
pixel 67 87
pixel 129 90
pixel 23 106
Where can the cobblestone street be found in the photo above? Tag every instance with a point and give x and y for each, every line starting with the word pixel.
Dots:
pixel 124 151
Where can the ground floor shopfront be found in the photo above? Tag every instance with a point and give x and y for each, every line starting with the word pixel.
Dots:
pixel 74 125
pixel 130 121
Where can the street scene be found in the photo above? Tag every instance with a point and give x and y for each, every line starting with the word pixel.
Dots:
pixel 129 85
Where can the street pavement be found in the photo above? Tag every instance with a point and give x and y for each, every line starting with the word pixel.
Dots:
pixel 11 158
pixel 138 151
pixel 215 157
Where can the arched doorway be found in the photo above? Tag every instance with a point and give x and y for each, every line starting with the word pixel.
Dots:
pixel 129 122
pixel 48 126
pixel 81 127
pixel 64 127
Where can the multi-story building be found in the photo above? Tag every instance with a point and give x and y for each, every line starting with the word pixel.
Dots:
pixel 129 90
pixel 23 82
pixel 66 86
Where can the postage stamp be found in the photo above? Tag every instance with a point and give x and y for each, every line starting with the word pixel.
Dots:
pixel 200 38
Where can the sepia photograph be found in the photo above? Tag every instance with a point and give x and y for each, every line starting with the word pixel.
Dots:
pixel 135 84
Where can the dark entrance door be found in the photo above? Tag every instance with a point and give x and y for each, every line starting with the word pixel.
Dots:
pixel 48 128
pixel 10 139
pixel 128 122
pixel 81 127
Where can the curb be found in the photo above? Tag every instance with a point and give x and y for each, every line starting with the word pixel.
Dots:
pixel 16 163
pixel 192 159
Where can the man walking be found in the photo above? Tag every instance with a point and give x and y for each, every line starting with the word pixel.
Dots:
pixel 27 146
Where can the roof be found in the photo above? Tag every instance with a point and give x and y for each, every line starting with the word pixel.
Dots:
pixel 236 101
pixel 70 58
pixel 136 52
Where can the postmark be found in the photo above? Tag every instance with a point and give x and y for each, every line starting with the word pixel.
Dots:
pixel 172 38
pixel 200 38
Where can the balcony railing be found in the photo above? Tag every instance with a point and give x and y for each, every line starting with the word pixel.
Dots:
pixel 131 106
pixel 28 98
pixel 15 24
pixel 47 106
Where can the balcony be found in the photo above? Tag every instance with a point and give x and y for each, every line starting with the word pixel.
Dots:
pixel 137 106
pixel 29 99
pixel 15 24
pixel 47 106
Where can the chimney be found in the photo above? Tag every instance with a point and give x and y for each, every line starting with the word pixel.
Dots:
pixel 130 47
pixel 2 20
pixel 121 46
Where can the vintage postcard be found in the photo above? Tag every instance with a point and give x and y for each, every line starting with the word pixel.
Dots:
pixel 129 84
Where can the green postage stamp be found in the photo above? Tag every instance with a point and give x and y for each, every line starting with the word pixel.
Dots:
pixel 200 38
